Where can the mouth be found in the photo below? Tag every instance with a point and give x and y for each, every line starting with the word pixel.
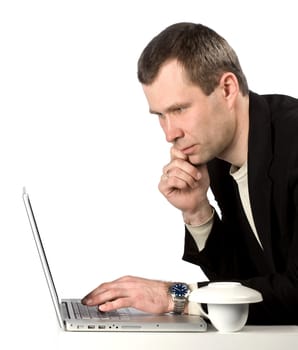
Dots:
pixel 188 150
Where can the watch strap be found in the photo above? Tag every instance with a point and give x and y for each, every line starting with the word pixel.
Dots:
pixel 179 304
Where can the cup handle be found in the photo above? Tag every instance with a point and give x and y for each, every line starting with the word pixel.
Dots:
pixel 202 312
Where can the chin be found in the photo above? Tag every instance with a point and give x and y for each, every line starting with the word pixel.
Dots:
pixel 196 161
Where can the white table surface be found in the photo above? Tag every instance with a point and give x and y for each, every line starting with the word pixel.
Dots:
pixel 47 335
pixel 250 338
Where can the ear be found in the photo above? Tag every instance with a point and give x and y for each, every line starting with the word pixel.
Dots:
pixel 229 87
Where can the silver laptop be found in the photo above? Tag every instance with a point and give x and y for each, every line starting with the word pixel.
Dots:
pixel 72 315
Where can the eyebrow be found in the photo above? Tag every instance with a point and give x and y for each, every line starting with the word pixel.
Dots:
pixel 171 108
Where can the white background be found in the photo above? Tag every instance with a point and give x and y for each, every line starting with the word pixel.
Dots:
pixel 75 130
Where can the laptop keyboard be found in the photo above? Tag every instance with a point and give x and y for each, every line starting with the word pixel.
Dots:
pixel 91 312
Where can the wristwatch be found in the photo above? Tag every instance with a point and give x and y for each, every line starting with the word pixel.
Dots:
pixel 179 293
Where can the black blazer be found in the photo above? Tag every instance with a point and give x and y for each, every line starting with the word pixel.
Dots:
pixel 232 251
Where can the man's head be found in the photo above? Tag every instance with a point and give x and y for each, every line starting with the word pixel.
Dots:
pixel 203 54
pixel 193 82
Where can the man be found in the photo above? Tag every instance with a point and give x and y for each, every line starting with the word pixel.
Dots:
pixel 245 147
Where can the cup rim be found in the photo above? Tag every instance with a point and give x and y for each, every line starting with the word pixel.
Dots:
pixel 225 293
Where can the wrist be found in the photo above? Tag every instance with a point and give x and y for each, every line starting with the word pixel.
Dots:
pixel 199 217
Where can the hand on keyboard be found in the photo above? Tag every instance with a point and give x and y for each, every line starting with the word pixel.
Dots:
pixel 140 293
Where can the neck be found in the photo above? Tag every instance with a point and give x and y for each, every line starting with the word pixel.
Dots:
pixel 237 151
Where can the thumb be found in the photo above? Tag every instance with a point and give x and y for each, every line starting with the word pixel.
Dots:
pixel 176 154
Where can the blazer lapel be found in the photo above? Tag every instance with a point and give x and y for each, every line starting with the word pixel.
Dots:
pixel 259 160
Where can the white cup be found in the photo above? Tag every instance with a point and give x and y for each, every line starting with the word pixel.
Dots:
pixel 227 304
pixel 227 317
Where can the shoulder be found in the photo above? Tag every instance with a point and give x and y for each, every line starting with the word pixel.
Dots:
pixel 282 108
pixel 278 111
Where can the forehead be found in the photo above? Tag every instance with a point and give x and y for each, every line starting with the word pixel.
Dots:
pixel 172 71
pixel 171 86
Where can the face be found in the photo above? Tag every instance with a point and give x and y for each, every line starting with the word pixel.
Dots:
pixel 200 126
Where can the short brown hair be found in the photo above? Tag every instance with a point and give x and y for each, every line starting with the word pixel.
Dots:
pixel 203 53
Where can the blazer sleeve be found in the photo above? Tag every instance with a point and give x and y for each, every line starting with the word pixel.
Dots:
pixel 233 254
pixel 224 261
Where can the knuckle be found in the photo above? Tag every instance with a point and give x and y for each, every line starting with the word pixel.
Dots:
pixel 127 278
pixel 164 169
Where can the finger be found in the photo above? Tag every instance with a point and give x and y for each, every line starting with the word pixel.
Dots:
pixel 93 292
pixel 104 296
pixel 179 179
pixel 167 188
pixel 98 294
pixel 91 298
pixel 182 169
pixel 176 154
pixel 115 304
pixel 106 286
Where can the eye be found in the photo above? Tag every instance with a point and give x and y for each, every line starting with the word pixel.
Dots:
pixel 160 115
pixel 179 110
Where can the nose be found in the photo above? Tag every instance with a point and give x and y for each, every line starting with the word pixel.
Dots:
pixel 171 130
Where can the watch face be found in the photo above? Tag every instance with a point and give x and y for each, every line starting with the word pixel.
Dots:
pixel 180 289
